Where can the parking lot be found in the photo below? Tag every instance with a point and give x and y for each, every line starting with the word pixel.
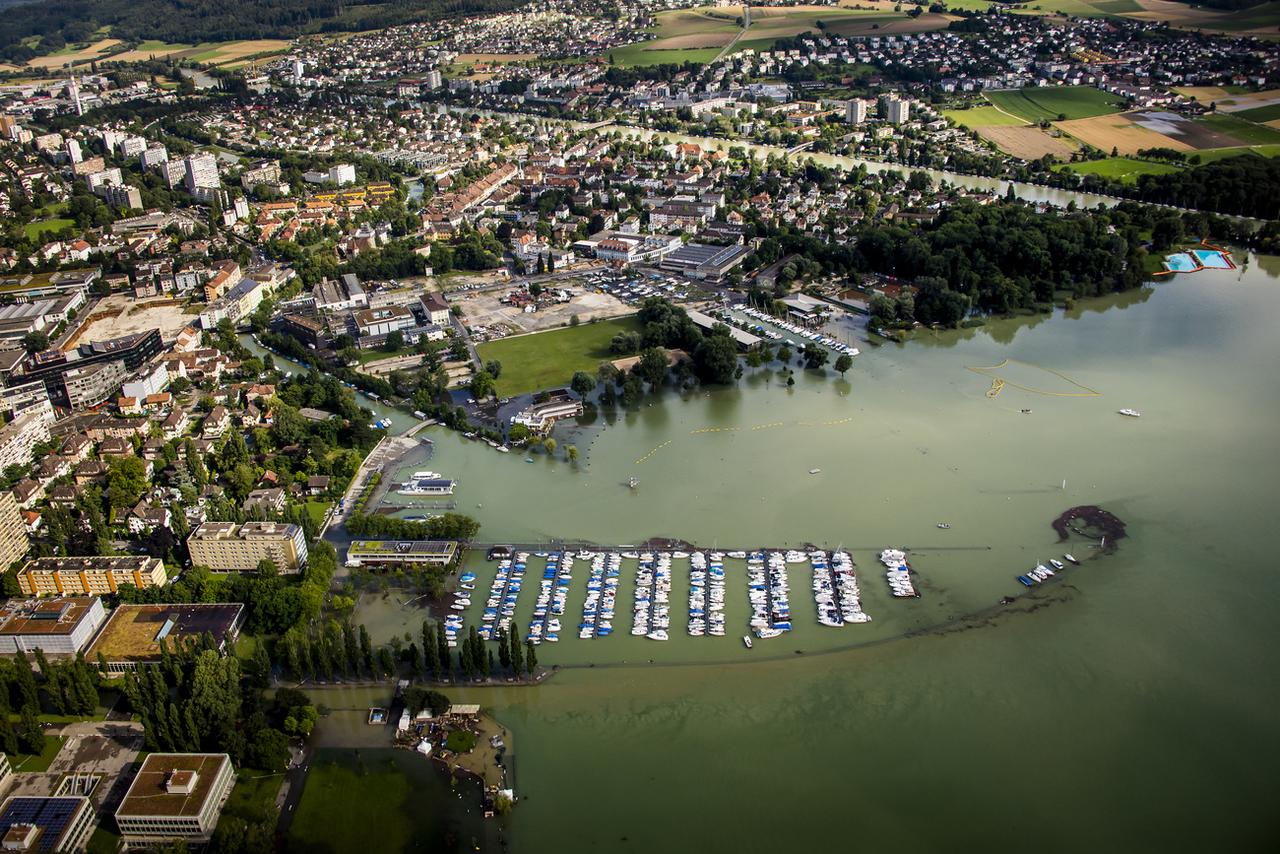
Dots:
pixel 488 317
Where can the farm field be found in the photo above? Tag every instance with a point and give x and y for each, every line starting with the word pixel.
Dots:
pixel 1026 141
pixel 1118 132
pixel 1243 131
pixel 1225 153
pixel 1260 20
pixel 73 56
pixel 700 34
pixel 1048 103
pixel 980 117
pixel 1123 168
pixel 546 359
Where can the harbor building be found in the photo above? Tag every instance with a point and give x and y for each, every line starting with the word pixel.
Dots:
pixel 53 626
pixel 176 796
pixel 132 634
pixel 95 575
pixel 62 824
pixel 706 323
pixel 227 547
pixel 399 553
pixel 541 417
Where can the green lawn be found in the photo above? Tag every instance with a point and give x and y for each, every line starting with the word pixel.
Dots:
pixel 35 230
pixel 1049 102
pixel 1246 132
pixel 254 795
pixel 103 841
pixel 1269 113
pixel 373 800
pixel 548 359
pixel 982 117
pixel 29 762
pixel 1123 168
pixel 317 509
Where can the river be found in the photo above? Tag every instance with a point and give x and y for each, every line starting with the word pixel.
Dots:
pixel 1127 706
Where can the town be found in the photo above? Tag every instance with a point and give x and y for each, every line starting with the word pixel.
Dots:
pixel 252 290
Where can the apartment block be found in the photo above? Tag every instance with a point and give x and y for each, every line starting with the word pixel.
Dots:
pixel 97 575
pixel 227 547
pixel 14 543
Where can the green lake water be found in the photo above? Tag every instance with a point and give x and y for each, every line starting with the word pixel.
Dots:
pixel 1129 706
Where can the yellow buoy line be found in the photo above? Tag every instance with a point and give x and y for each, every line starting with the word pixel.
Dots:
pixel 998 383
pixel 654 451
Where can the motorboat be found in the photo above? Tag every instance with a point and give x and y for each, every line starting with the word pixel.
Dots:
pixel 1132 413
pixel 746 641
pixel 1056 564
pixel 1071 558
pixel 944 525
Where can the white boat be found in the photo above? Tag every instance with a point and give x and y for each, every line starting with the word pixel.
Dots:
pixel 1071 558
pixel 1057 564
pixel 657 634
pixel 768 632
pixel 944 525
pixel 815 471
pixel 746 641
pixel 1132 413
pixel 426 475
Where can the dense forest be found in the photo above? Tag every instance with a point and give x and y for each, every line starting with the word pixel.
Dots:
pixel 63 22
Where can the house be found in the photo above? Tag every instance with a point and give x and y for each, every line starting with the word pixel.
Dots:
pixel 216 423
pixel 146 517
pixel 90 471
pixel 176 424
pixel 266 501
pixel 318 484
pixel 113 446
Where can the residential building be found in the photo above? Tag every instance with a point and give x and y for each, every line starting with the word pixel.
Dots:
pixel 263 172
pixel 227 547
pixel 91 385
pixel 54 626
pixel 856 111
pixel 94 575
pixel 225 274
pixel 175 796
pixel 267 502
pixel 61 824
pixel 898 111
pixel 20 436
pixel 201 172
pixel 151 381
pixel 153 157
pixel 119 195
pixel 131 636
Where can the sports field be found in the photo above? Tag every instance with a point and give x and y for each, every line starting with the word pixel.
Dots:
pixel 1123 168
pixel 548 359
pixel 1049 103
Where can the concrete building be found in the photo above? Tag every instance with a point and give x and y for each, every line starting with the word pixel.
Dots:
pixel 132 634
pixel 176 796
pixel 54 626
pixel 201 172
pixel 153 157
pixel 50 366
pixel 119 196
pixel 342 174
pixel 383 321
pixel 898 111
pixel 855 111
pixel 432 79
pixel 706 323
pixel 541 417
pixel 436 309
pixel 344 294
pixel 20 436
pixel 61 824
pixel 226 547
pixel 396 553
pixel 700 261
pixel 92 385
pixel 151 381
pixel 237 304
pixel 263 172
pixel 27 397
pixel 94 575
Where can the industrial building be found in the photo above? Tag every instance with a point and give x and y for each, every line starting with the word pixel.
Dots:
pixel 701 261
pixel 46 824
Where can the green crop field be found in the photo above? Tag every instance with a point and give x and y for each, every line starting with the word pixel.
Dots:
pixel 1212 154
pixel 1048 103
pixel 548 359
pixel 636 54
pixel 1269 113
pixel 1122 168
pixel 982 117
pixel 1236 128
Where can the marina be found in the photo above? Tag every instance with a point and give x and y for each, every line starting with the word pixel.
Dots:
pixel 552 593
pixel 500 608
pixel 898 574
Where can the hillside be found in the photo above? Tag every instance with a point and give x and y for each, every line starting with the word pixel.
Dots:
pixel 30 29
